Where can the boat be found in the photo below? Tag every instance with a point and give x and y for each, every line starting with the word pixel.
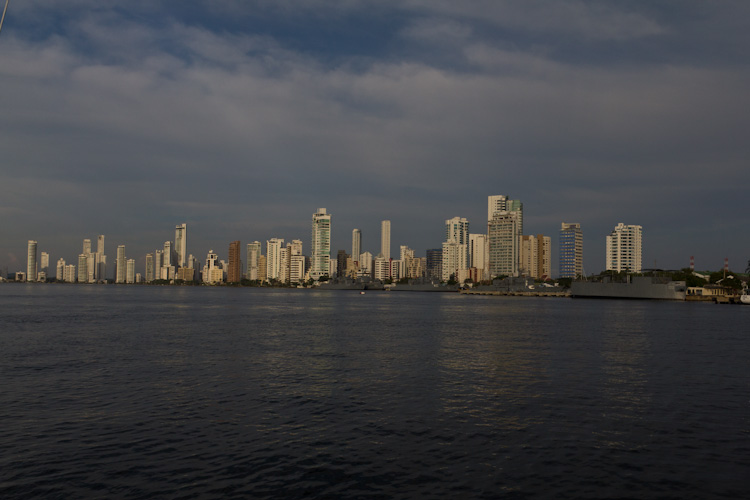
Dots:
pixel 745 297
pixel 636 287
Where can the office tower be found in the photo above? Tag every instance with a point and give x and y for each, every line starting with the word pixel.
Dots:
pixel 180 244
pixel 624 247
pixel 504 243
pixel 158 263
pixel 91 267
pixel 234 272
pixel 60 270
pixel 70 273
pixel 31 265
pixel 130 271
pixel 253 255
pixel 455 248
pixel 501 203
pixel 167 256
pixel 385 239
pixel 273 258
pixel 149 267
pixel 356 245
pixel 320 244
pixel 120 263
pixel 406 255
pixel 571 250
pixel 45 262
pixel 478 254
pixel 86 246
pixel 284 263
pixel 434 269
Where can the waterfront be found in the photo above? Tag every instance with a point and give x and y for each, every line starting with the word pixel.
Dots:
pixel 136 392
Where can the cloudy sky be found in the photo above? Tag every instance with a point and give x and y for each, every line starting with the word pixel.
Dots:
pixel 241 118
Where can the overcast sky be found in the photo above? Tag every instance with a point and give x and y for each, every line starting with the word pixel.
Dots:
pixel 241 118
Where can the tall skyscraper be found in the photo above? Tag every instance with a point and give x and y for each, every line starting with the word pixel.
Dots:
pixel 535 256
pixel 455 248
pixel 356 244
pixel 149 267
pixel 83 273
pixel 31 265
pixel 121 271
pixel 478 254
pixel 45 262
pixel 101 259
pixel 624 249
pixel 86 246
pixel 435 264
pixel 234 273
pixel 504 244
pixel 168 255
pixel 273 258
pixel 130 271
pixel 571 250
pixel 253 255
pixel 385 239
pixel 180 244
pixel 320 244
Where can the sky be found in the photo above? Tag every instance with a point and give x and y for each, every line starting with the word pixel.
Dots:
pixel 241 118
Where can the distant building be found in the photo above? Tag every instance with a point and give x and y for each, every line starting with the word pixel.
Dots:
pixel 253 254
pixel 130 271
pixel 535 256
pixel 571 250
pixel 180 244
pixel 455 247
pixel 356 245
pixel 624 249
pixel 31 265
pixel 504 244
pixel 273 258
pixel 320 244
pixel 60 276
pixel 434 259
pixel 83 274
pixel 45 262
pixel 234 273
pixel 213 272
pixel 121 271
pixel 149 267
pixel 385 239
pixel 478 256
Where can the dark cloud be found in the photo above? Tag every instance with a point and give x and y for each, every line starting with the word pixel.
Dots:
pixel 126 121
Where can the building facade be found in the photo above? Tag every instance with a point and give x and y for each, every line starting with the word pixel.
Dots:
pixel 624 249
pixel 234 272
pixel 320 244
pixel 571 250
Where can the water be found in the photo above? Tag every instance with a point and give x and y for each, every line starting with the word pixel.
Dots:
pixel 178 392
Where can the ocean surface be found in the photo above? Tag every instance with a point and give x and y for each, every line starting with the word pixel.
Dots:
pixel 182 392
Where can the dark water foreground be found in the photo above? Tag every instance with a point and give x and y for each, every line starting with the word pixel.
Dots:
pixel 142 392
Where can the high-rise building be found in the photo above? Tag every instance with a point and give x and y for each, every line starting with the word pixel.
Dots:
pixel 86 246
pixel 168 255
pixel 455 248
pixel 234 273
pixel 180 244
pixel 101 259
pixel 624 249
pixel 503 244
pixel 212 271
pixel 31 265
pixel 385 239
pixel 356 245
pixel 501 203
pixel 535 256
pixel 571 250
pixel 45 262
pixel 130 271
pixel 60 276
pixel 273 258
pixel 121 264
pixel 149 267
pixel 262 268
pixel 320 244
pixel 478 254
pixel 434 269
pixel 83 273
pixel 341 258
pixel 253 254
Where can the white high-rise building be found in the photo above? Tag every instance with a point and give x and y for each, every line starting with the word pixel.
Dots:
pixel 385 239
pixel 45 262
pixel 320 244
pixel 180 244
pixel 168 254
pixel 86 246
pixel 101 259
pixel 31 265
pixel 571 250
pixel 356 244
pixel 60 270
pixel 478 254
pixel 130 271
pixel 624 249
pixel 273 258
pixel 455 247
pixel 121 263
pixel 365 264
pixel 149 267
pixel 83 270
pixel 253 256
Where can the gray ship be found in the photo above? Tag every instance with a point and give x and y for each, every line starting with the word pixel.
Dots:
pixel 637 287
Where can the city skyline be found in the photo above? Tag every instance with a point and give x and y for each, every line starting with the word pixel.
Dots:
pixel 236 118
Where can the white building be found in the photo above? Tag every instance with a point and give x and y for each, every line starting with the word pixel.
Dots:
pixel 356 245
pixel 121 272
pixel 149 268
pixel 212 271
pixel 385 239
pixel 455 247
pixel 273 258
pixel 60 270
pixel 624 249
pixel 504 244
pixel 253 256
pixel 478 254
pixel 320 244
pixel 83 270
pixel 130 271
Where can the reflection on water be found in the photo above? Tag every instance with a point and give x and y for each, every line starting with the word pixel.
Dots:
pixel 133 392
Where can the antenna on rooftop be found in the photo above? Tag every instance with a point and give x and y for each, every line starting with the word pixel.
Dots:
pixel 3 18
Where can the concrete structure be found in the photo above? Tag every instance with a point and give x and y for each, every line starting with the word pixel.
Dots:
pixel 320 244
pixel 273 258
pixel 180 244
pixel 478 256
pixel 212 271
pixel 60 276
pixel 149 267
pixel 455 248
pixel 31 264
pixel 121 271
pixel 434 269
pixel 504 242
pixel 45 262
pixel 624 249
pixel 101 259
pixel 234 273
pixel 385 239
pixel 253 256
pixel 535 256
pixel 83 274
pixel 571 250
pixel 356 245
pixel 130 271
